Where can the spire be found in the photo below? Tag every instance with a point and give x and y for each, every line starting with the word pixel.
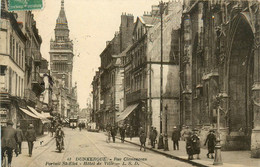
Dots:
pixel 62 4
pixel 62 20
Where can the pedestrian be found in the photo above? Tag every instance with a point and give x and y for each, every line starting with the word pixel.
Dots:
pixel 175 138
pixel 189 145
pixel 142 140
pixel 9 141
pixel 151 136
pixel 155 133
pixel 141 130
pixel 186 133
pixel 160 143
pixel 79 126
pixel 113 133
pixel 52 130
pixel 195 143
pixel 131 132
pixel 211 141
pixel 20 138
pixel 122 133
pixel 30 136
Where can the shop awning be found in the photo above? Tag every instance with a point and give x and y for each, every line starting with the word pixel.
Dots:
pixel 42 117
pixel 29 113
pixel 66 120
pixel 126 112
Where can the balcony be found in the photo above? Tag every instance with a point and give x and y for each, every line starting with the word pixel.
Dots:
pixel 140 94
pixel 4 96
pixel 37 57
pixel 29 95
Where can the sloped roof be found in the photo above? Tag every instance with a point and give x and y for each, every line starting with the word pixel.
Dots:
pixel 62 16
pixel 149 20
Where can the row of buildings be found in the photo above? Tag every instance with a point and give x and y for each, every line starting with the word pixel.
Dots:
pixel 210 63
pixel 29 91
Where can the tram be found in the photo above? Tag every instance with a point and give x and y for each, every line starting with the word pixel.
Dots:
pixel 73 121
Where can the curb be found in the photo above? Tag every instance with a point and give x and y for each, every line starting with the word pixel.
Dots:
pixel 169 155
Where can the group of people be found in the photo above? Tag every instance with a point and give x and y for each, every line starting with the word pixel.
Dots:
pixel 124 131
pixel 11 140
pixel 193 144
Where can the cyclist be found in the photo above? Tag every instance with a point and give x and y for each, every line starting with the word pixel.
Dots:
pixel 59 134
pixel 9 141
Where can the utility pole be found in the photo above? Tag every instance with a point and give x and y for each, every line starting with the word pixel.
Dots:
pixel 160 144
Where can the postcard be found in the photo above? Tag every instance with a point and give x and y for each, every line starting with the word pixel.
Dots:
pixel 129 83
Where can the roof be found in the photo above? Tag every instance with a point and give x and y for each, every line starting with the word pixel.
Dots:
pixel 62 16
pixel 149 20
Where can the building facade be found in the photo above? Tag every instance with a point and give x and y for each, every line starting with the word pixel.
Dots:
pixel 61 66
pixel 220 70
pixel 20 60
pixel 111 71
pixel 143 76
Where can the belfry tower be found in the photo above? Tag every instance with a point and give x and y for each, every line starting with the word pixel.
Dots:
pixel 61 51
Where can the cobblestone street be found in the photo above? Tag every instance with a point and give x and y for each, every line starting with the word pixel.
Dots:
pixel 81 146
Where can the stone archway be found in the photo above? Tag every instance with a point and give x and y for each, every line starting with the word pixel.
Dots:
pixel 240 67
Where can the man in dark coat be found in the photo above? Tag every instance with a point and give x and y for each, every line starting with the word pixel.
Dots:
pixel 122 133
pixel 59 134
pixel 20 138
pixel 142 140
pixel 131 132
pixel 30 136
pixel 113 133
pixel 8 141
pixel 155 133
pixel 211 141
pixel 151 136
pixel 175 138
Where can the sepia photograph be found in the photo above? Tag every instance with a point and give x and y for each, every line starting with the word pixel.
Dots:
pixel 130 83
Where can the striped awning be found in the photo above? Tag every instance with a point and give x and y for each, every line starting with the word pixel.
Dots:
pixel 29 113
pixel 42 117
pixel 126 112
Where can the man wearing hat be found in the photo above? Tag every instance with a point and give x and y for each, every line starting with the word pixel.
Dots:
pixel 175 138
pixel 30 136
pixel 20 138
pixel 211 141
pixel 8 141
pixel 59 134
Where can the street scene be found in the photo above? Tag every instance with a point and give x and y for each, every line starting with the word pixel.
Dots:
pixel 81 146
pixel 130 83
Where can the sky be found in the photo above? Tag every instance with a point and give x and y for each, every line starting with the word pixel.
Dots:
pixel 91 24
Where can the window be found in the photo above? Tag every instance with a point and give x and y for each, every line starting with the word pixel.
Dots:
pixel 20 56
pixel 16 51
pixel 22 59
pixel 19 84
pixel 10 80
pixel 21 87
pixel 2 68
pixel 11 46
pixel 13 49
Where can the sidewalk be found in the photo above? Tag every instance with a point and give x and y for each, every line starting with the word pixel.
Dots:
pixel 229 158
pixel 40 141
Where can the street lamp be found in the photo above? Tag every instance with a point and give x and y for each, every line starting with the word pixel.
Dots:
pixel 218 158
